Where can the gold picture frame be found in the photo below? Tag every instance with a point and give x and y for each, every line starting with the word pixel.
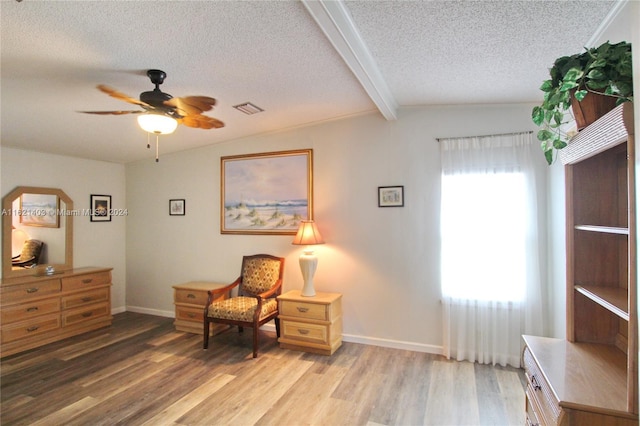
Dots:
pixel 267 193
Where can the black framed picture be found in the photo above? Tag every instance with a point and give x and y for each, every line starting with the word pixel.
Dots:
pixel 100 208
pixel 390 196
pixel 176 207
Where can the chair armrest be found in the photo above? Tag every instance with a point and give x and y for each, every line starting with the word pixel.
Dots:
pixel 271 291
pixel 24 262
pixel 211 293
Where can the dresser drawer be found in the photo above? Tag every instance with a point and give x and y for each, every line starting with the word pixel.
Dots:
pixel 33 327
pixel 312 311
pixel 185 313
pixel 304 332
pixel 75 316
pixel 86 298
pixel 191 297
pixel 28 310
pixel 86 281
pixel 28 291
pixel 539 394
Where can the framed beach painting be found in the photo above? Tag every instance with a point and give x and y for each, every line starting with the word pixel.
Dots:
pixel 266 194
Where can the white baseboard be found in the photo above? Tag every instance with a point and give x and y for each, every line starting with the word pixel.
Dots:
pixel 373 341
pixel 156 312
pixel 385 343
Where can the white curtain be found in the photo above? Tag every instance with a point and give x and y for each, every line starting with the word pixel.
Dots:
pixel 490 269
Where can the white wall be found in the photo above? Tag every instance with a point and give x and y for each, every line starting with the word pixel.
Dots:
pixel 385 261
pixel 94 243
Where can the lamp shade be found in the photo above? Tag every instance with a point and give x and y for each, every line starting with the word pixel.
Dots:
pixel 307 234
pixel 158 124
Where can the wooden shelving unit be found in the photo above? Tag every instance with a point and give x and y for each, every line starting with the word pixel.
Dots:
pixel 592 376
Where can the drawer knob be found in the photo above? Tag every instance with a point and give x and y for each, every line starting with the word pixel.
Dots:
pixel 32 309
pixel 535 384
pixel 87 280
pixel 34 328
pixel 87 314
pixel 303 310
pixel 191 296
pixel 303 331
pixel 191 315
pixel 86 299
pixel 33 290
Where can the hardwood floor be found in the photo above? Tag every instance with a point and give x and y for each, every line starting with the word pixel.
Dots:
pixel 141 371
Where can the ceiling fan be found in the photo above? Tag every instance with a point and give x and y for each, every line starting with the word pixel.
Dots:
pixel 161 113
pixel 186 110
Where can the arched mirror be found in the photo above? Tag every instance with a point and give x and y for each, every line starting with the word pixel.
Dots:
pixel 37 232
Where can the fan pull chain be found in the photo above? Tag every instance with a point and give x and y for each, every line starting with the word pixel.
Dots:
pixel 148 140
pixel 157 140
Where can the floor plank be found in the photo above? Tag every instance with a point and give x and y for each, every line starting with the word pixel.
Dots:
pixel 140 371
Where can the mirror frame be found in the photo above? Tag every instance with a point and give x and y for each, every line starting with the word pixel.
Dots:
pixel 7 206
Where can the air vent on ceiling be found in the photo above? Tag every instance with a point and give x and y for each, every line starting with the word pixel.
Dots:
pixel 248 108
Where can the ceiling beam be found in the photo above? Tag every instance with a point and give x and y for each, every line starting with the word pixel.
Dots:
pixel 335 21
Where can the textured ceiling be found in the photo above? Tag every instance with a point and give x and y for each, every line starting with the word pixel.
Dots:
pixel 272 53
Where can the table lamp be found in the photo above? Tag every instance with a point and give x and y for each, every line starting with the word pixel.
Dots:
pixel 308 235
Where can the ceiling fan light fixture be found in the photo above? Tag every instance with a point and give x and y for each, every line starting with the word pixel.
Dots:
pixel 158 124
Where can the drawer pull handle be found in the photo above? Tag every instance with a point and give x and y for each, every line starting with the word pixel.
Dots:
pixel 87 299
pixel 32 309
pixel 34 328
pixel 191 315
pixel 87 280
pixel 33 290
pixel 535 384
pixel 303 331
pixel 87 314
pixel 303 310
pixel 191 296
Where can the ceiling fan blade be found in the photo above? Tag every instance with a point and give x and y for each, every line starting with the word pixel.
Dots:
pixel 111 112
pixel 119 95
pixel 191 105
pixel 200 121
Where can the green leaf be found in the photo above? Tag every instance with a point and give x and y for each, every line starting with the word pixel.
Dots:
pixel 598 63
pixel 596 74
pixel 544 135
pixel 573 75
pixel 549 156
pixel 580 94
pixel 559 144
pixel 547 86
pixel 537 115
pixel 568 85
pixel 597 84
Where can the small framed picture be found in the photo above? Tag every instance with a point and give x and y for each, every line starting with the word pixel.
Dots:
pixel 390 196
pixel 100 208
pixel 176 207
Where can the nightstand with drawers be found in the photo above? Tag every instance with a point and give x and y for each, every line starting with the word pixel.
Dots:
pixel 189 300
pixel 310 324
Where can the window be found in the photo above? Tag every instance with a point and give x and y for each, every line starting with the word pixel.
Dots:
pixel 483 223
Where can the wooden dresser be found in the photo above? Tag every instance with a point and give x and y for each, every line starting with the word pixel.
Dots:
pixel 310 324
pixel 189 300
pixel 37 310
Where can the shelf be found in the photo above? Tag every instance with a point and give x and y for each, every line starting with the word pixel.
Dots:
pixel 603 229
pixel 613 299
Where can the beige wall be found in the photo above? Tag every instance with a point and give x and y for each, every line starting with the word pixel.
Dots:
pixel 384 260
pixel 94 243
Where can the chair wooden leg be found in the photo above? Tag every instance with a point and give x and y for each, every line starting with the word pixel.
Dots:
pixel 255 341
pixel 240 329
pixel 206 334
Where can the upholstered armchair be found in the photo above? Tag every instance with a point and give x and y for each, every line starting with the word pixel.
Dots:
pixel 30 255
pixel 259 283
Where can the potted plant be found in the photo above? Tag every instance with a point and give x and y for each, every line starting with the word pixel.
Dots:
pixel 600 74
